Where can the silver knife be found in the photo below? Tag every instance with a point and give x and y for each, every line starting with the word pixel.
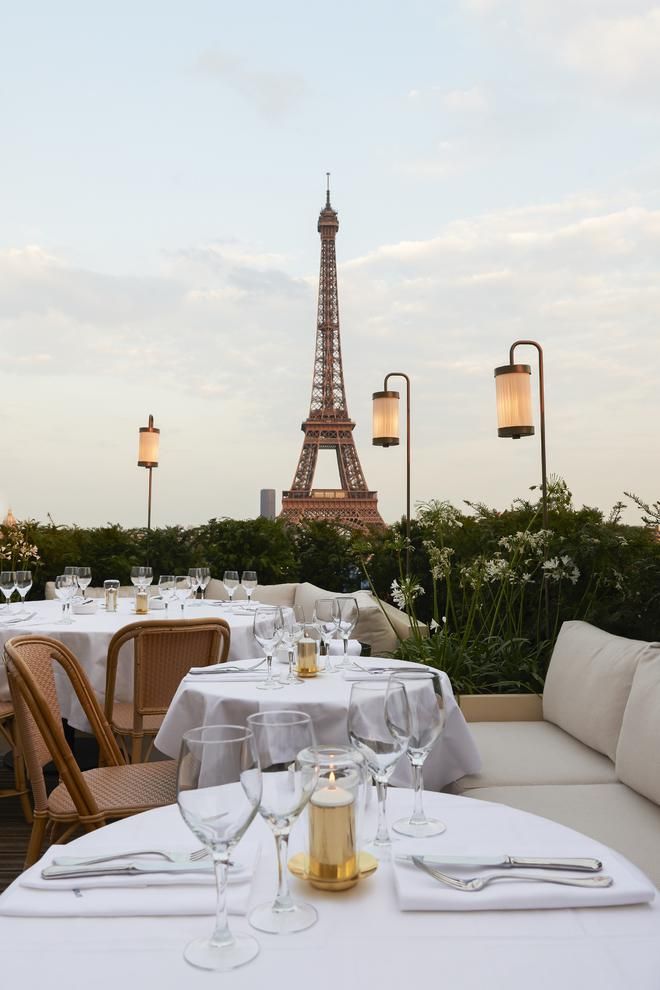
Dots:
pixel 123 869
pixel 585 865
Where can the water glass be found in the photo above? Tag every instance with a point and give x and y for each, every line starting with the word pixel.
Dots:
pixel 267 629
pixel 293 630
pixel 349 613
pixel 65 589
pixel 84 575
pixel 23 585
pixel 218 793
pixel 230 581
pixel 280 736
pixel 195 575
pixel 326 620
pixel 182 590
pixel 249 582
pixel 205 579
pixel 141 577
pixel 7 585
pixel 167 589
pixel 73 571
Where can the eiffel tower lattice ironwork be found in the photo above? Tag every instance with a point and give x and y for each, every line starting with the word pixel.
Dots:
pixel 328 426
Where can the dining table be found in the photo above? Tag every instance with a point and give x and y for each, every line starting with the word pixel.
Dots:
pixel 88 637
pixel 396 928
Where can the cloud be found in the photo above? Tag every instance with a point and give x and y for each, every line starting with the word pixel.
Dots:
pixel 271 94
pixel 621 51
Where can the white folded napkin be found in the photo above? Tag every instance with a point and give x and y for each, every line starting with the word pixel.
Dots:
pixel 417 891
pixel 157 602
pixel 153 894
pixel 239 675
pixel 336 647
pixel 83 608
pixel 383 669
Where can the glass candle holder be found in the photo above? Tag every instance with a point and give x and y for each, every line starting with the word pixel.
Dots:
pixel 307 664
pixel 110 592
pixel 141 601
pixel 334 815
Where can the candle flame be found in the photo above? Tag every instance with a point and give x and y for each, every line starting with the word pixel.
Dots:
pixel 332 778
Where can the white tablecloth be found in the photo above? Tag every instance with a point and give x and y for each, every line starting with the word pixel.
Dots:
pixel 362 940
pixel 88 638
pixel 325 698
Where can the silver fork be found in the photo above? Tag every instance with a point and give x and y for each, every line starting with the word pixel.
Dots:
pixel 192 857
pixel 226 669
pixel 478 883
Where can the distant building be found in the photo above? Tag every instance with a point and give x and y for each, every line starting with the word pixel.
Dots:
pixel 10 519
pixel 267 503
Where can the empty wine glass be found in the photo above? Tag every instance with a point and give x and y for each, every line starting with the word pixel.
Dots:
pixel 84 579
pixel 349 613
pixel 369 732
pixel 326 620
pixel 205 579
pixel 293 630
pixel 230 581
pixel 195 575
pixel 249 582
pixel 141 577
pixel 73 571
pixel 218 793
pixel 166 587
pixel 182 590
pixel 65 589
pixel 421 727
pixel 267 629
pixel 23 585
pixel 7 585
pixel 280 736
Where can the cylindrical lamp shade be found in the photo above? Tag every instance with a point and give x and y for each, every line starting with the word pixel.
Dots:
pixel 149 445
pixel 513 392
pixel 385 422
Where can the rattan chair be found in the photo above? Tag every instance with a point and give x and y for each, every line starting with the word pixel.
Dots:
pixel 163 653
pixel 83 799
pixel 20 788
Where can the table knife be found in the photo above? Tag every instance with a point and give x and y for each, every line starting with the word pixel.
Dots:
pixel 123 869
pixel 585 865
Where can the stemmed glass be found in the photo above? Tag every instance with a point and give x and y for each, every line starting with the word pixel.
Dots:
pixel 141 577
pixel 267 629
pixel 218 792
pixel 349 613
pixel 23 585
pixel 280 736
pixel 7 585
pixel 230 581
pixel 195 575
pixel 73 572
pixel 84 575
pixel 293 630
pixel 167 588
pixel 182 590
pixel 420 726
pixel 249 582
pixel 369 732
pixel 326 620
pixel 204 580
pixel 65 589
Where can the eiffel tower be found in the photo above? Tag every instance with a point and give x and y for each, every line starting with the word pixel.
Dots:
pixel 328 426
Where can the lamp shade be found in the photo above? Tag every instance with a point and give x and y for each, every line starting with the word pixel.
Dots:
pixel 149 445
pixel 513 391
pixel 385 422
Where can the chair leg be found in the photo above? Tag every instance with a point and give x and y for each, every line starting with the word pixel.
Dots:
pixel 36 838
pixel 21 787
pixel 136 749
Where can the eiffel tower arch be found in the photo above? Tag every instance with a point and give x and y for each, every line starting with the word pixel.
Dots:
pixel 328 426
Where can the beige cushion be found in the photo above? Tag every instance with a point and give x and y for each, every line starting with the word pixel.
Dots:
pixel 216 591
pixel 611 813
pixel 273 594
pixel 533 753
pixel 638 752
pixel 588 683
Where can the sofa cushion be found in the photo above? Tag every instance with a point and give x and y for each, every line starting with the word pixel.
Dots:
pixel 273 594
pixel 373 626
pixel 588 683
pixel 611 813
pixel 515 753
pixel 638 752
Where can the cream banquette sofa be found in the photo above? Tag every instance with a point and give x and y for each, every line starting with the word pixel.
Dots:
pixel 589 757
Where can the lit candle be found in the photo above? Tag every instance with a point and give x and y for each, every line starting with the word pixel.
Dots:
pixel 333 862
pixel 306 664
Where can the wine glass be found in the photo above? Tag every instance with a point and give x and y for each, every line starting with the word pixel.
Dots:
pixel 65 589
pixel 230 581
pixel 195 575
pixel 267 629
pixel 326 620
pixel 424 722
pixel 249 582
pixel 369 732
pixel 7 585
pixel 205 579
pixel 141 577
pixel 23 585
pixel 84 579
pixel 73 571
pixel 166 587
pixel 218 793
pixel 280 736
pixel 293 630
pixel 349 613
pixel 182 590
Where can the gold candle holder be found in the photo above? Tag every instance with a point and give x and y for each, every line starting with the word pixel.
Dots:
pixel 333 859
pixel 307 665
pixel 141 603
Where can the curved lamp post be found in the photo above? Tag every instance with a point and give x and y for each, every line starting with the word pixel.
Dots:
pixel 148 456
pixel 385 433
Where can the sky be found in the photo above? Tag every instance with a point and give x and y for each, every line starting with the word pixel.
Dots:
pixel 494 165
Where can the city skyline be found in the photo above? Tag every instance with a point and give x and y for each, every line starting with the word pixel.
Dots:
pixel 494 166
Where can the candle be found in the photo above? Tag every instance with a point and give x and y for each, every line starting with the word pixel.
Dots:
pixel 141 602
pixel 333 861
pixel 307 666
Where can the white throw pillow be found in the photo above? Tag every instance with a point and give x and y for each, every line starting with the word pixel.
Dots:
pixel 638 752
pixel 588 683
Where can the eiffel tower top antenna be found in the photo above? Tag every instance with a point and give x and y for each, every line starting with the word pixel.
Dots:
pixel 328 425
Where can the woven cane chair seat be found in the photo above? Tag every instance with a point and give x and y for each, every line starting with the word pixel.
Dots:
pixel 122 791
pixel 123 714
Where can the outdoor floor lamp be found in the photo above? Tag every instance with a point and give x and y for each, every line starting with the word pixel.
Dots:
pixel 385 433
pixel 148 456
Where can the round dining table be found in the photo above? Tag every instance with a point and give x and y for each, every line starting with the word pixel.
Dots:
pixel 370 936
pixel 88 637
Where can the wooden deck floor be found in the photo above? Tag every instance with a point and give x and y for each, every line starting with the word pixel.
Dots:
pixel 14 833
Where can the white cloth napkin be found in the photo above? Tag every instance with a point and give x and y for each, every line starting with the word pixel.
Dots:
pixel 417 891
pixel 128 896
pixel 336 647
pixel 157 602
pixel 242 675
pixel 86 608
